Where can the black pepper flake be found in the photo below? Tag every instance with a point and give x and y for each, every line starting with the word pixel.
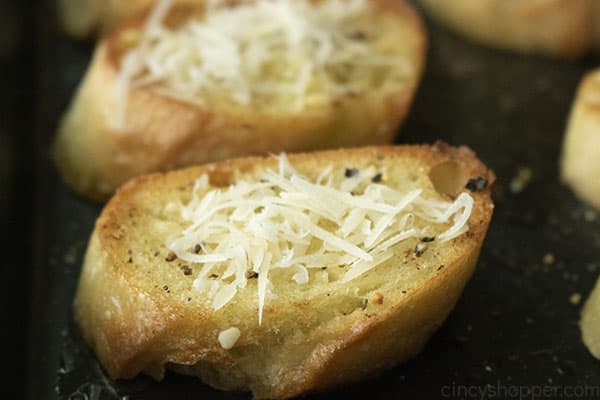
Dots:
pixel 165 288
pixel 323 268
pixel 130 260
pixel 358 35
pixel 404 292
pixel 157 253
pixel 189 299
pixel 350 172
pixel 171 257
pixel 420 249
pixel 427 239
pixel 441 267
pixel 364 303
pixel 251 275
pixel 187 271
pixel 377 178
pixel 213 276
pixel 477 184
pixel 197 248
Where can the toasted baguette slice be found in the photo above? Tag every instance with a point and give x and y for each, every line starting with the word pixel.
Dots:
pixel 552 27
pixel 84 18
pixel 105 139
pixel 590 322
pixel 140 307
pixel 580 162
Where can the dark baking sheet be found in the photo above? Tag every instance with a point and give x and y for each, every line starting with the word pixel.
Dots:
pixel 16 185
pixel 514 329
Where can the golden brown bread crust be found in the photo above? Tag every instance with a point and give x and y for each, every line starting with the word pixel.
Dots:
pixel 559 28
pixel 161 133
pixel 579 163
pixel 139 317
pixel 84 18
pixel 590 322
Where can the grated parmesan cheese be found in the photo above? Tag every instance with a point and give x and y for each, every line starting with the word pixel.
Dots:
pixel 229 337
pixel 285 221
pixel 263 52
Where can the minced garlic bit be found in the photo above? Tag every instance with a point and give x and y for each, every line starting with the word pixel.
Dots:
pixel 287 222
pixel 229 337
pixel 294 51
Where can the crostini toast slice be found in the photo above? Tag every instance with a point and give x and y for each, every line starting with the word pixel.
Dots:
pixel 283 275
pixel 189 85
pixel 560 28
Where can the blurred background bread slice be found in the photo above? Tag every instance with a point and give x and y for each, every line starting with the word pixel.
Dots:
pixel 280 98
pixel 560 28
pixel 580 160
pixel 590 322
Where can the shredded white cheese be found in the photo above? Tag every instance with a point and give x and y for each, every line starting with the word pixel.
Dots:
pixel 285 52
pixel 229 337
pixel 284 220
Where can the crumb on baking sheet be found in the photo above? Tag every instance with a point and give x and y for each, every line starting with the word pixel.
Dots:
pixel 575 298
pixel 548 259
pixel 520 180
pixel 70 256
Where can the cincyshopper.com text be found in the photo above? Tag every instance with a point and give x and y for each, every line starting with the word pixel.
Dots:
pixel 519 392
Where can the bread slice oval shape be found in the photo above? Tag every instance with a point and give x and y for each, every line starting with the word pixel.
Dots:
pixel 590 322
pixel 310 311
pixel 150 102
pixel 579 163
pixel 560 28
